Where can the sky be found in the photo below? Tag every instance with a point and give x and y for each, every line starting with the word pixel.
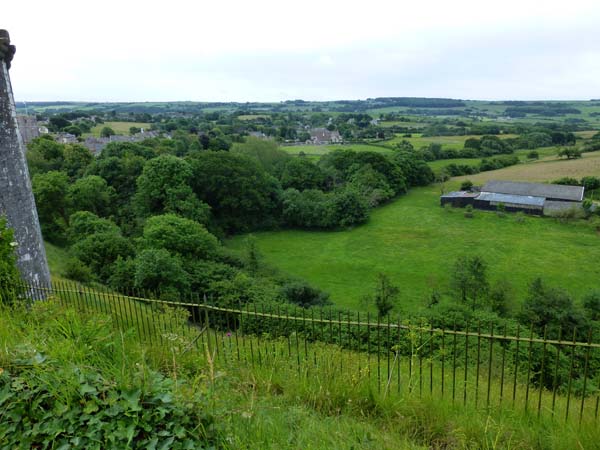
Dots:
pixel 275 50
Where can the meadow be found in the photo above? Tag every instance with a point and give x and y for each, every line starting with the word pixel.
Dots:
pixel 416 242
pixel 118 127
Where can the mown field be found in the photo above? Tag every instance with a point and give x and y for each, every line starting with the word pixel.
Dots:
pixel 547 169
pixel 416 242
pixel 118 127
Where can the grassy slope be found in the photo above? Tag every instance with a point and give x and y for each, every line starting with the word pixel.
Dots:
pixel 416 242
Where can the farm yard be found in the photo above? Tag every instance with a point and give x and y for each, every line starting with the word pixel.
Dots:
pixel 416 242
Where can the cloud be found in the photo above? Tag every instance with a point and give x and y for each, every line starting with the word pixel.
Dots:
pixel 270 50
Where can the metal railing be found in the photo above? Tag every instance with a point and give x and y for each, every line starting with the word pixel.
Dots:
pixel 487 368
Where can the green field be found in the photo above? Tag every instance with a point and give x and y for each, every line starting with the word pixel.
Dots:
pixel 455 142
pixel 118 127
pixel 320 150
pixel 416 242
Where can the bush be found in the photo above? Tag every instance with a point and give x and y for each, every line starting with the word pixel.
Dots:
pixel 9 275
pixel 466 185
pixel 78 271
pixel 469 212
pixel 50 401
pixel 304 295
pixel 533 155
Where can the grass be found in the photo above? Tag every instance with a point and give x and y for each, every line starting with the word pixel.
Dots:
pixel 547 169
pixel 455 142
pixel 118 127
pixel 320 150
pixel 415 242
pixel 328 403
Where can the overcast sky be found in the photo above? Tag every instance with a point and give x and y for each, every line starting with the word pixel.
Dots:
pixel 272 50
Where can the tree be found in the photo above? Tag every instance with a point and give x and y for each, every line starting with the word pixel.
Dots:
pixel 266 152
pixel 466 185
pixel 50 191
pixel 107 132
pixel 84 223
pixel 164 187
pixel 301 174
pixel 591 305
pixel 179 236
pixel 76 160
pixel 44 154
pixel 550 307
pixel 384 296
pixel 348 208
pixel 570 153
pixel 134 130
pixel 469 279
pixel 92 194
pixel 158 271
pixel 100 250
pixel 239 191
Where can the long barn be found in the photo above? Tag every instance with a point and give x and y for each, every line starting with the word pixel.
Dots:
pixel 530 198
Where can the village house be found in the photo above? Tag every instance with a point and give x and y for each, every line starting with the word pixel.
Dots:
pixel 321 136
pixel 530 198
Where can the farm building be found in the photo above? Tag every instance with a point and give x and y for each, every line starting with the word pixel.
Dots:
pixel 530 198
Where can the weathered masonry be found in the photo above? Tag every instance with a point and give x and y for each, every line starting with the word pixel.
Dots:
pixel 16 197
pixel 530 198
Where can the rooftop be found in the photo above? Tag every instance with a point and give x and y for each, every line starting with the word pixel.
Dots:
pixel 512 199
pixel 553 191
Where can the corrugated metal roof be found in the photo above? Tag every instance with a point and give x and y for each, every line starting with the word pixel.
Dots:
pixel 555 191
pixel 554 206
pixel 460 194
pixel 512 199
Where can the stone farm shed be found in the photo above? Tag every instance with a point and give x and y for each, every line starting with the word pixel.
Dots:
pixel 530 198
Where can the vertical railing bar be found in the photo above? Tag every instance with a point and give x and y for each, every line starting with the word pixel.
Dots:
pixel 504 344
pixel 443 359
pixel 555 381
pixel 585 375
pixel 431 359
pixel 490 361
pixel 454 361
pixel 514 395
pixel 369 346
pixel 571 374
pixel 388 350
pixel 529 356
pixel 542 372
pixel 340 342
pixel 378 353
pixel 466 364
pixel 420 358
pixel 478 363
pixel 398 355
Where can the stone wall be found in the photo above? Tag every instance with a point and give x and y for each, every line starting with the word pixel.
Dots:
pixel 16 196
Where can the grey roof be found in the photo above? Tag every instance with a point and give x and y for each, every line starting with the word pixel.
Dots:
pixel 551 207
pixel 512 199
pixel 554 191
pixel 456 194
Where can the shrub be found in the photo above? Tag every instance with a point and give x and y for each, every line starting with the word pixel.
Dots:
pixel 469 212
pixel 466 185
pixel 533 155
pixel 78 271
pixel 9 275
pixel 304 295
